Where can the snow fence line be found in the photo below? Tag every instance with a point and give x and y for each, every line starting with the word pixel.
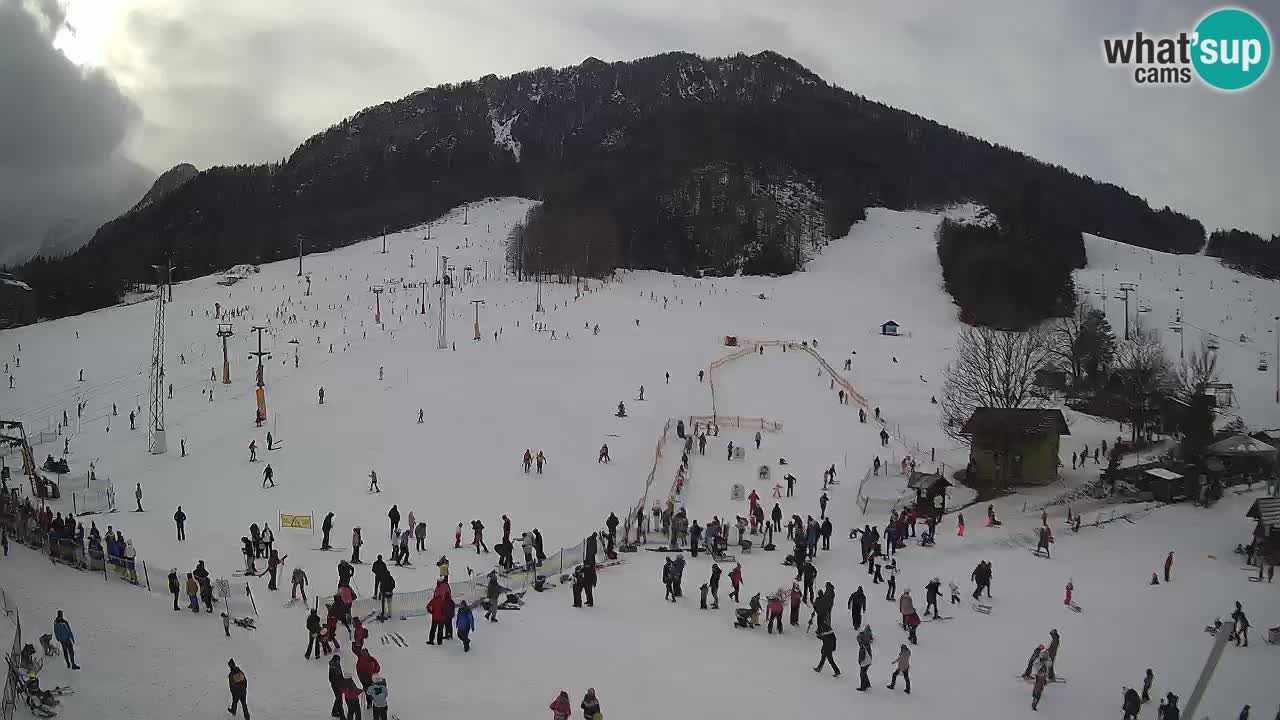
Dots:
pixel 9 701
pixel 134 571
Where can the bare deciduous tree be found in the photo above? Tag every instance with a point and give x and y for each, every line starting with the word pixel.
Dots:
pixel 1082 342
pixel 993 368
pixel 1145 374
pixel 1197 372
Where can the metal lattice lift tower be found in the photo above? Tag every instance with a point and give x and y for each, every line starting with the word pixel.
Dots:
pixel 442 340
pixel 156 443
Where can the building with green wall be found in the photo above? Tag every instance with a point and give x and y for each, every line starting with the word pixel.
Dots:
pixel 1011 447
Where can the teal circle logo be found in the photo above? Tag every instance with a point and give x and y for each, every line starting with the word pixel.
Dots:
pixel 1232 49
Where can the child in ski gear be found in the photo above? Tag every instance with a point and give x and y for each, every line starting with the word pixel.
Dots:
pixel 377 693
pixel 466 622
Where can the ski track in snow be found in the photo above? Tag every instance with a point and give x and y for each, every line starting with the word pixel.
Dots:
pixel 488 401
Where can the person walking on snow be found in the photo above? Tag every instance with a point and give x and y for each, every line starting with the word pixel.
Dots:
pixel 137 494
pixel 527 461
pixel 175 588
pixel 253 451
pixel 955 591
pixel 492 591
pixel 735 579
pixel 466 623
pixel 1052 653
pixel 828 638
pixel 560 708
pixel 864 659
pixel 822 505
pixel 1132 704
pixel 714 583
pixel 902 666
pixel 1031 661
pixel 273 567
pixel 373 482
pixel 540 459
pixel 326 527
pixel 857 604
pixel 393 515
pixel 931 592
pixel 757 439
pixel 268 476
pixel 1046 538
pixel 67 639
pixel 910 620
pixel 366 667
pixel 239 686
pixel 298 581
pixel 604 454
pixel 377 693
pixel 1042 679
pixel 180 520
pixel 313 634
pixel 773 612
pixel 1168 566
pixel 193 593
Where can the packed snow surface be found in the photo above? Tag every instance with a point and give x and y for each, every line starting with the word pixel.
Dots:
pixel 556 390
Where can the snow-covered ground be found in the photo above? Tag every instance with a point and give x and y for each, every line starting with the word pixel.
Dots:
pixel 487 401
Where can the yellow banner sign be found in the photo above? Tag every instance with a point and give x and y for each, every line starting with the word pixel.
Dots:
pixel 288 520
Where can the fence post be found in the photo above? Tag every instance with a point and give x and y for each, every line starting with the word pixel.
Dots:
pixel 145 576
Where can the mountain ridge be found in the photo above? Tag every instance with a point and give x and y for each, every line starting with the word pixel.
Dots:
pixel 683 154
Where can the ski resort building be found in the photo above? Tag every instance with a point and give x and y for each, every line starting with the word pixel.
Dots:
pixel 1010 447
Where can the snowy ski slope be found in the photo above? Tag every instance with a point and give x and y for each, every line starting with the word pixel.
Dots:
pixel 487 401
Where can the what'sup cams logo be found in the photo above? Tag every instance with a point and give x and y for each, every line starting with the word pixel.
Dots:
pixel 1229 49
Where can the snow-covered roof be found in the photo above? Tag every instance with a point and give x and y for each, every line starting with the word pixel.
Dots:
pixel 14 282
pixel 1015 421
pixel 1163 474
pixel 1240 446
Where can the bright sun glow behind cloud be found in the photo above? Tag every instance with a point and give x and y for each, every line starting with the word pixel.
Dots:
pixel 83 38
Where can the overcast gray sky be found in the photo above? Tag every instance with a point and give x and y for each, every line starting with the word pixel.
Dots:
pixel 97 91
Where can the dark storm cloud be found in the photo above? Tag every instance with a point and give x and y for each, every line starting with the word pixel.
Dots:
pixel 61 131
